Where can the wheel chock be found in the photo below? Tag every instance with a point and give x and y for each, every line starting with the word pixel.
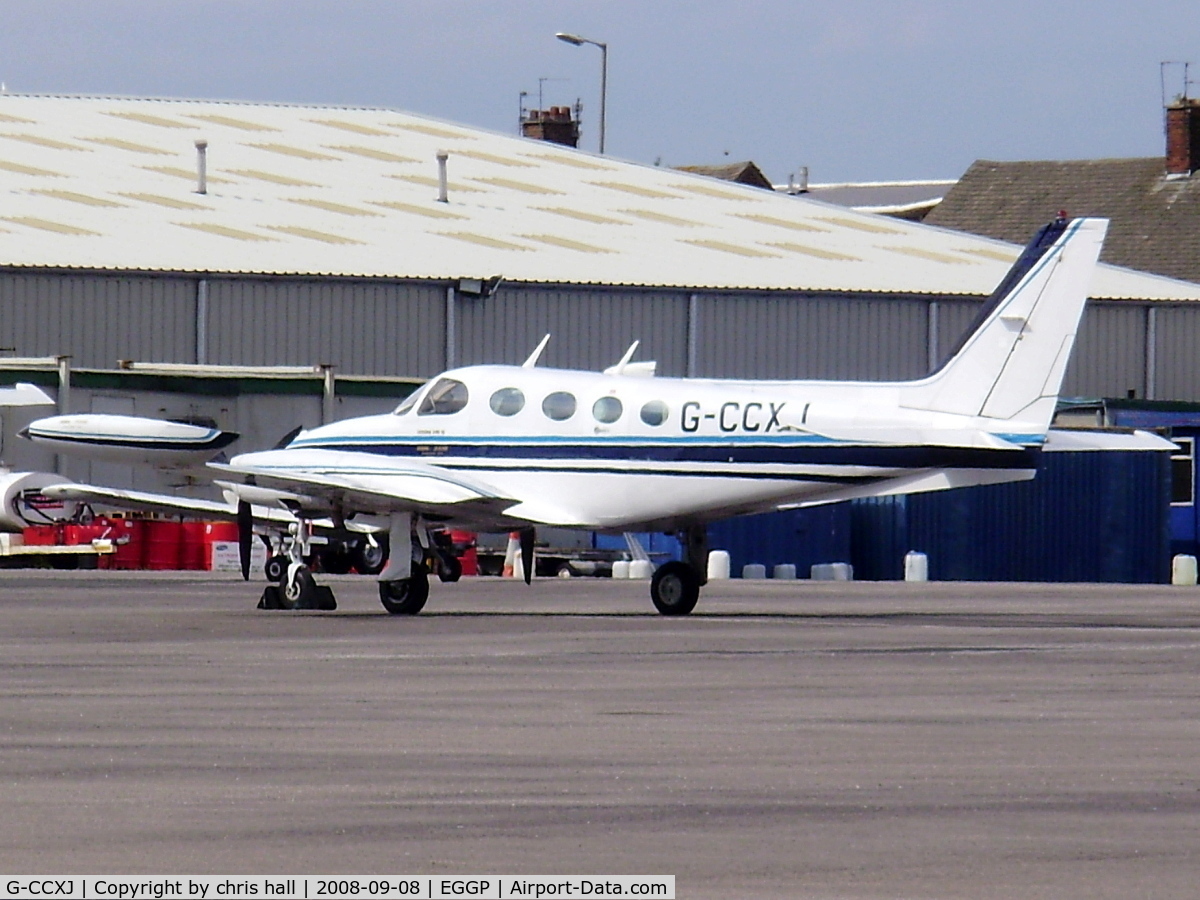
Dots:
pixel 270 598
pixel 322 599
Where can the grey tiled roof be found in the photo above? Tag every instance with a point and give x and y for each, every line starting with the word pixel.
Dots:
pixel 1155 219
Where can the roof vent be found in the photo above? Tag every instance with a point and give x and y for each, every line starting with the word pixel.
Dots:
pixel 442 156
pixel 201 166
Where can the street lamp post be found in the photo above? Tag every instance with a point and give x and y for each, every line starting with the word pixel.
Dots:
pixel 579 41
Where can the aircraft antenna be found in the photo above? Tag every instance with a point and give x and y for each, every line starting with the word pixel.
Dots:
pixel 537 352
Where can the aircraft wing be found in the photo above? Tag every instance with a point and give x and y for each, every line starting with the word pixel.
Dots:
pixel 342 483
pixel 146 501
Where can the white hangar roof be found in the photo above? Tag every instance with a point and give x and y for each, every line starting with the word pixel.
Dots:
pixel 110 183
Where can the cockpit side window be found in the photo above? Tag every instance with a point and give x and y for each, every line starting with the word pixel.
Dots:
pixel 445 397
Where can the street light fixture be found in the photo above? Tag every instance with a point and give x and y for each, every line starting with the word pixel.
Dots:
pixel 578 42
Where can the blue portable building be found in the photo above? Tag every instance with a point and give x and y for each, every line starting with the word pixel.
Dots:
pixel 1099 516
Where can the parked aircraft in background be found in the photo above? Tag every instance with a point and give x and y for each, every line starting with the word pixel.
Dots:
pixel 512 448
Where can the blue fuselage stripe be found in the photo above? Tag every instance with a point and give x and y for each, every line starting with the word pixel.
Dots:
pixel 723 454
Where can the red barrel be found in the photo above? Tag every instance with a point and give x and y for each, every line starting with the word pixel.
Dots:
pixel 128 536
pixel 464 548
pixel 194 554
pixel 220 531
pixel 163 544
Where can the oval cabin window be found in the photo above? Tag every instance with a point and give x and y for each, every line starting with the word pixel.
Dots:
pixel 559 406
pixel 507 401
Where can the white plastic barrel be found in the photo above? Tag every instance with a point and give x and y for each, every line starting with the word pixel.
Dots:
pixel 1183 570
pixel 641 568
pixel 718 565
pixel 916 566
pixel 754 570
pixel 784 572
pixel 621 568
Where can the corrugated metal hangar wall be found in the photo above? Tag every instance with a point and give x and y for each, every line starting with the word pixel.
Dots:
pixel 415 329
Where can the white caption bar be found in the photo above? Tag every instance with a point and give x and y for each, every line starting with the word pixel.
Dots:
pixel 394 887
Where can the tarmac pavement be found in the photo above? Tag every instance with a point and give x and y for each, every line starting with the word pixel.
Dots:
pixel 789 739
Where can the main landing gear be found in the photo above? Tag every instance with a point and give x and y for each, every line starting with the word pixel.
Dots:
pixel 675 587
pixel 403 581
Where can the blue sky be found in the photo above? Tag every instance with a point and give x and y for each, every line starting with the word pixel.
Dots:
pixel 854 89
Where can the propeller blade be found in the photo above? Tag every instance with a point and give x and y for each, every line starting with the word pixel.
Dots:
pixel 282 443
pixel 527 536
pixel 245 523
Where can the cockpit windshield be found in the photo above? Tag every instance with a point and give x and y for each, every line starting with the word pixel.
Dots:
pixel 445 397
pixel 410 401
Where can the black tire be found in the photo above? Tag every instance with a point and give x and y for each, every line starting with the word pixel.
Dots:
pixel 407 596
pixel 370 560
pixel 450 568
pixel 299 591
pixel 276 568
pixel 675 588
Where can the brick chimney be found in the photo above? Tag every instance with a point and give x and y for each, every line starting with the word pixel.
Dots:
pixel 554 124
pixel 1183 136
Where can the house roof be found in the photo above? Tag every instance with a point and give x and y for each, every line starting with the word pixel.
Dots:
pixel 1155 217
pixel 104 183
pixel 739 172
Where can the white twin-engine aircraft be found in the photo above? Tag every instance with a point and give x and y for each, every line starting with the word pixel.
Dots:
pixel 511 448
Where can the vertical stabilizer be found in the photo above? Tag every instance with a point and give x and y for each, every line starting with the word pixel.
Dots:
pixel 1011 365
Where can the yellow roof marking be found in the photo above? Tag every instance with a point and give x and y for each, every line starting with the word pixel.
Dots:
pixel 512 185
pixel 28 170
pixel 565 243
pixel 793 224
pixel 147 119
pixel 230 122
pixel 272 177
pixel 352 127
pixel 160 200
pixel 931 255
pixel 429 211
pixel 495 158
pixel 189 174
pixel 427 181
pixel 636 189
pixel 371 153
pixel 127 145
pixel 47 225
pixel 581 215
pixel 40 141
pixel 431 130
pixel 567 159
pixel 482 240
pixel 712 192
pixel 654 216
pixel 299 152
pixel 735 249
pixel 223 231
pixel 313 235
pixel 330 206
pixel 814 251
pixel 859 224
pixel 85 199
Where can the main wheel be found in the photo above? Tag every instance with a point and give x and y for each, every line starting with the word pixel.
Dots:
pixel 675 588
pixel 370 559
pixel 407 596
pixel 276 568
pixel 299 590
